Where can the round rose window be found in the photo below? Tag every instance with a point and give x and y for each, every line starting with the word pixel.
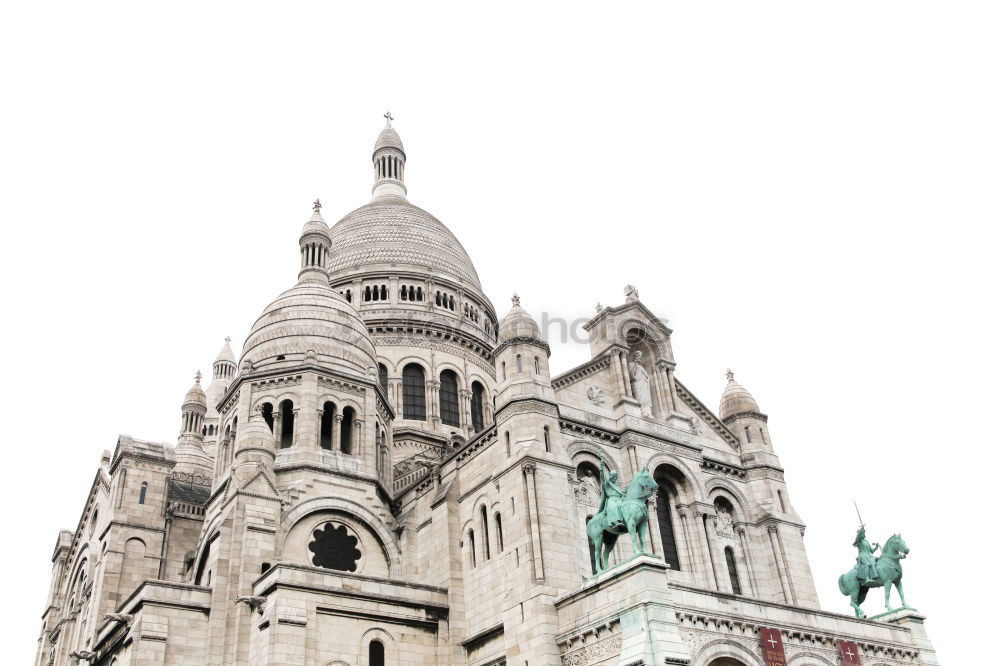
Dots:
pixel 333 547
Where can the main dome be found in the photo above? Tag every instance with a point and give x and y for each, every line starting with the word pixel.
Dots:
pixel 392 233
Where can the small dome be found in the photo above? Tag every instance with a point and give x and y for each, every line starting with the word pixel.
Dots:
pixel 312 322
pixel 388 139
pixel 518 324
pixel 316 223
pixel 195 396
pixel 736 399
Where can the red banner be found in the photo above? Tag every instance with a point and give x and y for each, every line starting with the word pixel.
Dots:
pixel 850 653
pixel 774 650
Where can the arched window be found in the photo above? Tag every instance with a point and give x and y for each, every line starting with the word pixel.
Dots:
pixel 545 434
pixel 506 437
pixel 664 522
pixel 734 579
pixel 287 423
pixel 384 293
pixel 368 294
pixel 472 547
pixel 142 492
pixel 376 654
pixel 496 519
pixel 267 412
pixel 503 370
pixel 538 370
pixel 347 431
pixel 746 431
pixel 449 398
pixel 477 406
pixel 414 405
pixel 520 363
pixel 326 425
pixel 781 501
pixel 485 531
pixel 402 293
pixel 383 377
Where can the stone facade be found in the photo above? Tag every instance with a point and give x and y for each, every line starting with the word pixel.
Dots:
pixel 390 474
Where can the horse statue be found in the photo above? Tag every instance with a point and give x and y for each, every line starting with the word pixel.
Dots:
pixel 885 572
pixel 620 512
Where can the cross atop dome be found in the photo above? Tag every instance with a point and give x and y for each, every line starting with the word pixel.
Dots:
pixel 515 300
pixel 729 375
pixel 388 118
pixel 197 377
pixel 316 206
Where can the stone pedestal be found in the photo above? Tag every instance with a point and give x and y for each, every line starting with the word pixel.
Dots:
pixel 624 616
pixel 914 622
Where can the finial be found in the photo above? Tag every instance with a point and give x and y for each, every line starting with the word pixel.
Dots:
pixel 515 300
pixel 197 377
pixel 729 375
pixel 631 294
pixel 388 118
pixel 316 206
pixel 228 339
pixel 600 308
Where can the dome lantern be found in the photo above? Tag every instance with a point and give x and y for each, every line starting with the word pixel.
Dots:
pixel 389 162
pixel 314 246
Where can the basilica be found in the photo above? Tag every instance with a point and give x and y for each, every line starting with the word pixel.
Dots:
pixel 389 473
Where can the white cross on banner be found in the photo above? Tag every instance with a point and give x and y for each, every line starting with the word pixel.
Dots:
pixel 774 650
pixel 850 653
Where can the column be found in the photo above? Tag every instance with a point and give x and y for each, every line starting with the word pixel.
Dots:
pixel 358 437
pixel 751 576
pixel 623 362
pixel 277 420
pixel 680 539
pixel 712 550
pixel 671 389
pixel 338 421
pixel 532 518
pixel 318 439
pixel 696 548
pixel 772 531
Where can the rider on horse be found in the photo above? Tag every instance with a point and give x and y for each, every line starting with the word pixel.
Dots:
pixel 611 491
pixel 867 572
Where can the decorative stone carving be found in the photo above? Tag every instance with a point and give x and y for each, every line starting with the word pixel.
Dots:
pixel 594 653
pixel 596 396
pixel 724 523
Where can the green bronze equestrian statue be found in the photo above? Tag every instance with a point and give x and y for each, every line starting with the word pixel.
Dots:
pixel 870 572
pixel 620 512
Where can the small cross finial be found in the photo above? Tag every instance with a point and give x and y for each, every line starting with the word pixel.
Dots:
pixel 729 375
pixel 388 118
pixel 228 339
pixel 515 300
pixel 316 206
pixel 600 308
pixel 197 377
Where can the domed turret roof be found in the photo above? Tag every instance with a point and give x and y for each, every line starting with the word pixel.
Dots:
pixel 389 139
pixel 390 232
pixel 736 399
pixel 518 324
pixel 310 321
pixel 195 396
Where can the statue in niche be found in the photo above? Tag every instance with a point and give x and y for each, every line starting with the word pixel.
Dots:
pixel 639 379
pixel 724 522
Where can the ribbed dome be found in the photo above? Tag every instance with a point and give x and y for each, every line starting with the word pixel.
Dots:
pixel 518 324
pixel 195 396
pixel 736 399
pixel 310 317
pixel 388 139
pixel 390 232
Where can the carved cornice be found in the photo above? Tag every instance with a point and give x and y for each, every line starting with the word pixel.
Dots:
pixel 526 406
pixel 724 468
pixel 718 426
pixel 580 372
pixel 522 340
pixel 579 428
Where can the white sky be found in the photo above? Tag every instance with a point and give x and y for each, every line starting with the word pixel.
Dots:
pixel 808 192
